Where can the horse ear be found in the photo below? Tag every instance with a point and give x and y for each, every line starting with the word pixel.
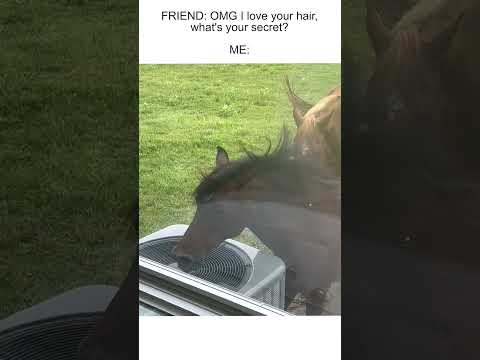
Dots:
pixel 222 157
pixel 437 36
pixel 379 34
pixel 300 106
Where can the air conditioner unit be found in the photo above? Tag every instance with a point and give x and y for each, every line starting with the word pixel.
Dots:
pixel 54 328
pixel 233 265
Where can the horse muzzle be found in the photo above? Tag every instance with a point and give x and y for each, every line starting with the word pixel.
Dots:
pixel 184 261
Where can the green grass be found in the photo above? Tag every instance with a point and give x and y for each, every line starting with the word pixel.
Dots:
pixel 68 106
pixel 357 53
pixel 187 110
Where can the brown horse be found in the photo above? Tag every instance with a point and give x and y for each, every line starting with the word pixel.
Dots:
pixel 423 94
pixel 318 127
pixel 422 101
pixel 293 206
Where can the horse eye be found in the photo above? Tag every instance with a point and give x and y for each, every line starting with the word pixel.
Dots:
pixel 394 106
pixel 397 106
pixel 395 103
pixel 208 198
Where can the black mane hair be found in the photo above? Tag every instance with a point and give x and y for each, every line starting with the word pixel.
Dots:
pixel 285 174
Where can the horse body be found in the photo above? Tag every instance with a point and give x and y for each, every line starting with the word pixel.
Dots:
pixel 307 241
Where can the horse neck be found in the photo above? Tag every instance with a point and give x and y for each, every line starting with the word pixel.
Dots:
pixel 301 238
pixel 270 221
pixel 266 236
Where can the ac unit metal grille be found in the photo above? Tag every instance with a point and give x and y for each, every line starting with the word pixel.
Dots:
pixel 53 339
pixel 226 265
pixel 272 295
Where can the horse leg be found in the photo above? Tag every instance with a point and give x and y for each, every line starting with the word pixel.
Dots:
pixel 325 298
pixel 315 301
pixel 290 290
pixel 289 296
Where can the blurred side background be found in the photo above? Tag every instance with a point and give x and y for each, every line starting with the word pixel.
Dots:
pixel 69 146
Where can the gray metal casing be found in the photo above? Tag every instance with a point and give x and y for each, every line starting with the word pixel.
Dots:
pixel 267 278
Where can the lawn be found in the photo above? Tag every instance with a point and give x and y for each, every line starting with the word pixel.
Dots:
pixel 187 110
pixel 68 135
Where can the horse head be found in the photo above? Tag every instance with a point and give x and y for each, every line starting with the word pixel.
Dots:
pixel 409 100
pixel 318 127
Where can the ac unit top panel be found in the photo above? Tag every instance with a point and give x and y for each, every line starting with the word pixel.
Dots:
pixel 265 269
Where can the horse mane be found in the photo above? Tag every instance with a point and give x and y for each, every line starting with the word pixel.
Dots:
pixel 220 175
pixel 285 174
